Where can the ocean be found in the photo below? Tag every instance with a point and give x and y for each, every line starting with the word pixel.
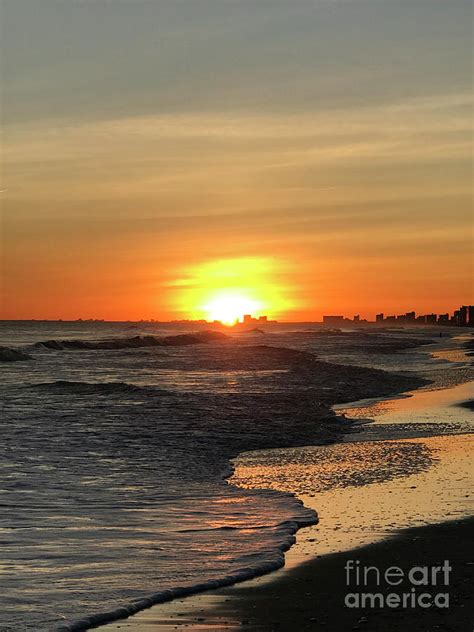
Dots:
pixel 117 442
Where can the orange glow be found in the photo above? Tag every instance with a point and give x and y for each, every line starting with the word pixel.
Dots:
pixel 226 289
pixel 229 307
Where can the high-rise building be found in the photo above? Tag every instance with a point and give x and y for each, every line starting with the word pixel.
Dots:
pixel 379 318
pixel 470 315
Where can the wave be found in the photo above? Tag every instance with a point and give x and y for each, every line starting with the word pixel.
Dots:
pixel 89 388
pixel 135 342
pixel 287 530
pixel 12 355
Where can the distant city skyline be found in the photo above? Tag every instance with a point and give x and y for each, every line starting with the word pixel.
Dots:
pixel 462 317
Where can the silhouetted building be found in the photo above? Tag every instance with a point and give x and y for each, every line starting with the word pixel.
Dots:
pixel 409 317
pixel 470 315
pixel 463 317
pixel 248 319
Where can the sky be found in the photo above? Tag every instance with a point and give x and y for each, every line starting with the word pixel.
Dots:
pixel 305 157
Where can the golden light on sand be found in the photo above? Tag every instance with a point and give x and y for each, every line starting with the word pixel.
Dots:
pixel 226 289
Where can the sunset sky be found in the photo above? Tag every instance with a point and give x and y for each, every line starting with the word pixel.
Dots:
pixel 311 156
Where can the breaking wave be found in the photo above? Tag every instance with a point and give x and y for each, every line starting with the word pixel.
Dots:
pixel 135 342
pixel 93 388
pixel 12 355
pixel 255 567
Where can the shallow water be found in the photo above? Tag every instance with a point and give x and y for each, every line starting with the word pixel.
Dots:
pixel 364 489
pixel 417 413
pixel 432 481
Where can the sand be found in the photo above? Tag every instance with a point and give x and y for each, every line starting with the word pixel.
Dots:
pixel 363 517
pixel 311 596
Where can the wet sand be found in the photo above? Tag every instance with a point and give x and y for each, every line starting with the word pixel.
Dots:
pixel 363 515
pixel 419 413
pixel 367 491
pixel 311 595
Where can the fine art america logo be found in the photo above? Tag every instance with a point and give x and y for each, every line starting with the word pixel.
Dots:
pixel 424 586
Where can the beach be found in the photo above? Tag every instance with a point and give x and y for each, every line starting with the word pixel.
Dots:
pixel 382 498
pixel 149 467
pixel 417 515
pixel 310 596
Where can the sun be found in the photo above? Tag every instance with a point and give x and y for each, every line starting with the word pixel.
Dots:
pixel 225 290
pixel 229 307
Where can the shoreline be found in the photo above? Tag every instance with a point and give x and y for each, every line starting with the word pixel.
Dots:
pixel 406 483
pixel 278 384
pixel 215 597
pixel 353 380
pixel 310 596
pixel 308 562
pixel 123 612
pixel 300 400
pixel 321 601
